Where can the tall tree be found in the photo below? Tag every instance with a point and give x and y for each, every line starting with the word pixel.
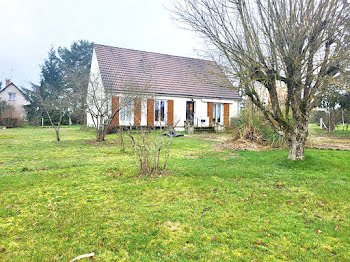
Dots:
pixel 300 46
pixel 75 68
pixel 65 69
pixel 51 74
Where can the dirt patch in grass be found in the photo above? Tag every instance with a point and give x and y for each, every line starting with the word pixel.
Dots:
pixel 209 137
pixel 324 142
pixel 241 144
pixel 227 142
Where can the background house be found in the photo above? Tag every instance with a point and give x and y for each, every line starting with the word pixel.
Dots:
pixel 14 97
pixel 175 90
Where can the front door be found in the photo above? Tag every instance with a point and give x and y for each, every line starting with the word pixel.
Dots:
pixel 190 112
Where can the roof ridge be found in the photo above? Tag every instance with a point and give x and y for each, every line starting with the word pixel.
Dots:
pixel 207 60
pixel 11 83
pixel 168 74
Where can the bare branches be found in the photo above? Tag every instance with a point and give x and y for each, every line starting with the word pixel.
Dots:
pixel 298 46
pixel 101 108
pixel 55 102
pixel 151 148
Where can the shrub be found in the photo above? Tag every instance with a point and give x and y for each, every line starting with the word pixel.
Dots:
pixel 9 116
pixel 152 149
pixel 252 126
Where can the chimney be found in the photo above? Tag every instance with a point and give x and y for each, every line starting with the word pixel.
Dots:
pixel 7 82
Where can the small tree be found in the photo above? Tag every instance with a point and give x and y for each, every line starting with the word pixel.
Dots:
pixel 55 103
pixel 9 116
pixel 100 106
pixel 152 149
pixel 298 45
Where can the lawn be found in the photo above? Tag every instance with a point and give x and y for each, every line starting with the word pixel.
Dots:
pixel 61 200
pixel 339 131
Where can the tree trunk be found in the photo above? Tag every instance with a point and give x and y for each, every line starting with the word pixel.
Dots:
pixel 296 142
pixel 122 144
pixel 100 135
pixel 57 129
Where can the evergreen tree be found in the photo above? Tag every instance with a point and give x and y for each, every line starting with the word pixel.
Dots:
pixel 64 71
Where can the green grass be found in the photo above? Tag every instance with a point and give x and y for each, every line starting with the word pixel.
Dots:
pixel 58 201
pixel 339 131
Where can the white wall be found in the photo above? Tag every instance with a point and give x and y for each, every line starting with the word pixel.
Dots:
pixel 96 89
pixel 18 103
pixel 234 109
pixel 200 110
pixel 200 106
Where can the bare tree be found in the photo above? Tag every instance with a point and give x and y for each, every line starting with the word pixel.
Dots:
pixel 56 105
pixel 152 148
pixel 300 46
pixel 100 106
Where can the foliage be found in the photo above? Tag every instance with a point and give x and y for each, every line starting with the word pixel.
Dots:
pixel 63 70
pixel 58 201
pixel 344 101
pixel 335 108
pixel 75 68
pixel 329 101
pixel 252 126
pixel 63 86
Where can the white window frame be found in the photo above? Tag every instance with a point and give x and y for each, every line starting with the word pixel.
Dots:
pixel 158 121
pixel 216 116
pixel 12 96
pixel 126 112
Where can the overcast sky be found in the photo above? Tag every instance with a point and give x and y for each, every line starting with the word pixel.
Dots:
pixel 29 28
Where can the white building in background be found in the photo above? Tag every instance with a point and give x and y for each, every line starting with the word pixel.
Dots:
pixel 14 97
pixel 176 90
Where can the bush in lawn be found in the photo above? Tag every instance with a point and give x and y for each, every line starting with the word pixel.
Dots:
pixel 9 116
pixel 252 126
pixel 152 150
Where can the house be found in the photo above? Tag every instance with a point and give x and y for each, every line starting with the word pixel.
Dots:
pixel 14 97
pixel 180 90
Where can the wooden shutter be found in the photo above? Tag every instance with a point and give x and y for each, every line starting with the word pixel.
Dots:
pixel 137 111
pixel 150 112
pixel 210 112
pixel 115 107
pixel 226 114
pixel 170 112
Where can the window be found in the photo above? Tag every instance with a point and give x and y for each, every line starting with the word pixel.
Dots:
pixel 12 96
pixel 159 110
pixel 126 111
pixel 217 113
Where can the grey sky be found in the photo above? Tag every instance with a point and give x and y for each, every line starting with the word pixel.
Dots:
pixel 30 27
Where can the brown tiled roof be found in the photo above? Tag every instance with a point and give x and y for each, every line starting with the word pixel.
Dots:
pixel 162 74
